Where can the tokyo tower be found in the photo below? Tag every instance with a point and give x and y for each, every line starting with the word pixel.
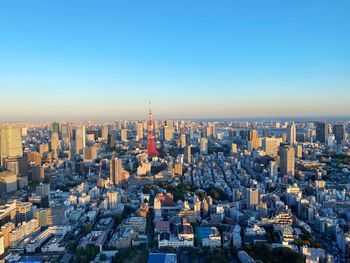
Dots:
pixel 151 147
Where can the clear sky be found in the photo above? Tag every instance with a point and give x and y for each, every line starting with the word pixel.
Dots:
pixel 191 58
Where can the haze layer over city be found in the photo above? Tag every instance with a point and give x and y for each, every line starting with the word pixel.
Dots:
pixel 174 131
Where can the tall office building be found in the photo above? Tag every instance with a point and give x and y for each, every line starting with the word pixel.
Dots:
pixel 90 153
pixel 204 146
pixel 183 141
pixel 115 170
pixel 211 129
pixel 292 133
pixel 38 173
pixel 124 135
pixel 270 146
pixel 55 143
pixel 266 132
pixel 112 197
pixel 169 123
pixel 287 160
pixel 66 131
pixel 298 151
pixel 321 132
pixel 168 133
pixel 252 198
pixel 79 139
pixel 111 140
pixel 339 133
pixel 105 132
pixel 10 142
pixel 139 131
pixel 55 127
pixel 187 154
pixel 253 137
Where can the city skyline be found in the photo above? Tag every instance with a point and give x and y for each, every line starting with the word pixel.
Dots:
pixel 193 60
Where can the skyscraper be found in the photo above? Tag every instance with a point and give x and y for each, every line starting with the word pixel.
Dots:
pixel 124 135
pixel 270 146
pixel 55 127
pixel 187 154
pixel 169 123
pixel 252 198
pixel 66 131
pixel 183 140
pixel 55 142
pixel 79 139
pixel 139 132
pixel 292 134
pixel 211 129
pixel 339 132
pixel 115 170
pixel 90 153
pixel 253 137
pixel 287 160
pixel 105 132
pixel 321 132
pixel 204 146
pixel 111 140
pixel 10 142
pixel 168 133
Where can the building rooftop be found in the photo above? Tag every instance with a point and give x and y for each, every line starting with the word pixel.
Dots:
pixel 162 258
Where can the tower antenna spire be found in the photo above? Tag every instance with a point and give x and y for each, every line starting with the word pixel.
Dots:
pixel 151 147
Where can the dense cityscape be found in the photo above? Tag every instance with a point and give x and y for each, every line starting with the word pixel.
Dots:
pixel 175 191
pixel 179 131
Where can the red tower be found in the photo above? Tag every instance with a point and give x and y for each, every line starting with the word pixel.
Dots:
pixel 151 147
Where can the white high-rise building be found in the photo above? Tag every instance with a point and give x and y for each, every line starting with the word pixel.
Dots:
pixel 330 140
pixel 79 139
pixel 204 146
pixel 292 133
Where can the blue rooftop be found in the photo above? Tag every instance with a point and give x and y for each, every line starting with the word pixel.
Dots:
pixel 161 258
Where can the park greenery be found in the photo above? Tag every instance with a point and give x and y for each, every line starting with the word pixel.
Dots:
pixel 86 254
pixel 264 252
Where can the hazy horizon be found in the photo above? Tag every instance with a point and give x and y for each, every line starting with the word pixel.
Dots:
pixel 213 119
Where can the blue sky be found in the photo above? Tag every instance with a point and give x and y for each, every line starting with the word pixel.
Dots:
pixel 191 58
